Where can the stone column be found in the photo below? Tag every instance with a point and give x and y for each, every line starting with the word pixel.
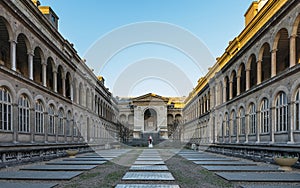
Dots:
pixel 13 53
pixel 259 71
pixel 293 50
pixel 56 127
pixel 65 128
pixel 247 79
pixel 32 124
pixel 15 122
pixel 55 80
pixel 246 128
pixel 30 65
pixel 292 123
pixel 238 88
pixel 44 74
pixel 238 127
pixel 46 126
pixel 273 124
pixel 258 127
pixel 273 62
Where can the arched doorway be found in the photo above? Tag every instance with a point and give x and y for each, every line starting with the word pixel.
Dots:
pixel 150 120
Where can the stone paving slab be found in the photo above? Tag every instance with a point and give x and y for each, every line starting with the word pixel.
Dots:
pixel 270 186
pixel 260 177
pixel 228 163
pixel 39 175
pixel 146 186
pixel 242 168
pixel 149 167
pixel 91 157
pixel 148 176
pixel 60 167
pixel 26 185
pixel 76 163
pixel 210 159
pixel 85 159
pixel 149 159
pixel 149 163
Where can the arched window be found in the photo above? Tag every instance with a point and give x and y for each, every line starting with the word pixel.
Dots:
pixel 242 74
pixel 61 122
pixel 297 111
pixel 51 119
pixel 5 110
pixel 49 80
pixel 5 45
pixel 264 116
pixel 242 121
pixel 37 65
pixel 252 118
pixel 80 94
pixel 227 87
pixel 266 63
pixel 39 117
pixel 234 84
pixel 75 128
pixel 281 112
pixel 233 123
pixel 283 51
pixel 60 77
pixel 68 124
pixel 226 123
pixel 22 56
pixel 253 71
pixel 24 114
pixel 68 85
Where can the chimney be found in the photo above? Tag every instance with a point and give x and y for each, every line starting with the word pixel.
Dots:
pixel 254 8
pixel 251 12
pixel 48 13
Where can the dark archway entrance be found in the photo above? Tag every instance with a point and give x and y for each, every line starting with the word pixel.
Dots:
pixel 150 120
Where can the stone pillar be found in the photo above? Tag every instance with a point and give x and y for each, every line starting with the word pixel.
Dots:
pixel 273 124
pixel 293 50
pixel 292 123
pixel 15 122
pixel 65 128
pixel 238 88
pixel 259 71
pixel 44 74
pixel 32 124
pixel 247 79
pixel 13 53
pixel 230 89
pixel 56 127
pixel 258 127
pixel 30 65
pixel 273 62
pixel 246 128
pixel 46 126
pixel 55 80
pixel 238 127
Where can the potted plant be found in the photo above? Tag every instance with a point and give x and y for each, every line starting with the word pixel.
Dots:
pixel 72 152
pixel 285 161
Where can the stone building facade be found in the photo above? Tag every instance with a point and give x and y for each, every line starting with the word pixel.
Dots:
pixel 150 114
pixel 250 98
pixel 48 95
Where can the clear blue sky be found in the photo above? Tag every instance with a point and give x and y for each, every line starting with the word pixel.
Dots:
pixel 213 22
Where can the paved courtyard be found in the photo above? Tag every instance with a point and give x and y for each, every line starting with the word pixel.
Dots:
pixel 149 168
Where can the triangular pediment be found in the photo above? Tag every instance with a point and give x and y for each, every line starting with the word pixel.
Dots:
pixel 150 97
